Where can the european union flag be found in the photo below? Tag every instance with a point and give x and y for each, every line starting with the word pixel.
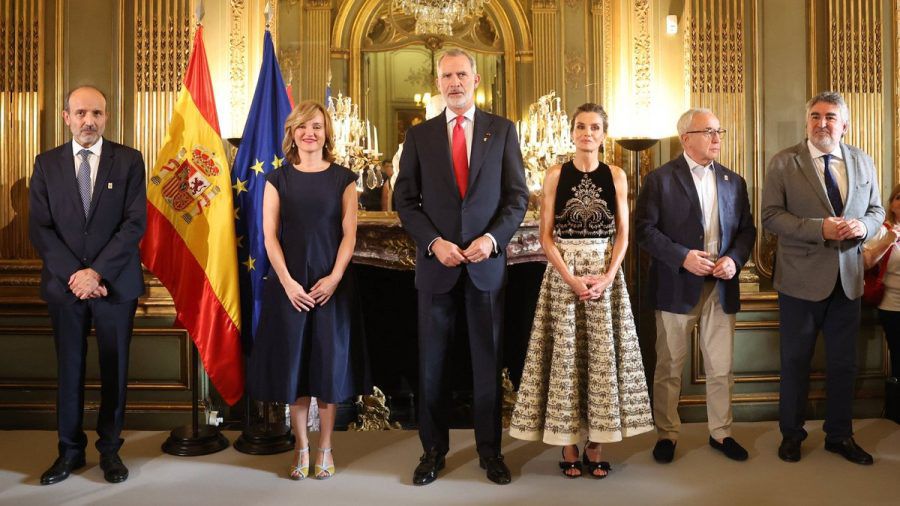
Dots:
pixel 259 153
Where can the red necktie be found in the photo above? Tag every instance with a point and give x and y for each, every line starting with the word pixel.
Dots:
pixel 460 158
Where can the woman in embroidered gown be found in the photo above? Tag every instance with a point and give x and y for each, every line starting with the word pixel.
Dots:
pixel 309 338
pixel 583 370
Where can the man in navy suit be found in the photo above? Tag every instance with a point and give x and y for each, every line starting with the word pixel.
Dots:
pixel 693 218
pixel 461 195
pixel 87 214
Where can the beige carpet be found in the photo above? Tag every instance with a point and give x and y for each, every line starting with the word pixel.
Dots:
pixel 375 469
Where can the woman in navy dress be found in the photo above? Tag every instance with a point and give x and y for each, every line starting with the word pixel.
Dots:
pixel 309 342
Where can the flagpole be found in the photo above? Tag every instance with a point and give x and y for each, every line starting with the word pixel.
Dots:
pixel 272 434
pixel 196 439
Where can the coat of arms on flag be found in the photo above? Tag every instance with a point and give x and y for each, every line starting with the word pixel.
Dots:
pixel 186 186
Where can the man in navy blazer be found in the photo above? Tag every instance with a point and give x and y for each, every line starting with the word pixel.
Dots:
pixel 693 218
pixel 87 214
pixel 461 195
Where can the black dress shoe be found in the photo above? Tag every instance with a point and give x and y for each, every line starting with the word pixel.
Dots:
pixel 664 451
pixel 789 451
pixel 850 451
pixel 61 469
pixel 729 447
pixel 497 471
pixel 113 469
pixel 430 463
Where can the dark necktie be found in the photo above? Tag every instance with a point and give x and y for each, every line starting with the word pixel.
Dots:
pixel 84 180
pixel 831 187
pixel 460 157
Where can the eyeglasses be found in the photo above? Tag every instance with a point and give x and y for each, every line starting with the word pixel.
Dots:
pixel 709 132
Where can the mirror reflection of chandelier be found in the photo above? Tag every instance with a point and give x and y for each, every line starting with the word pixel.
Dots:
pixel 438 16
pixel 545 138
pixel 355 142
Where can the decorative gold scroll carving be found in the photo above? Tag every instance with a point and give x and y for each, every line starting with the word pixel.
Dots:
pixel 21 90
pixel 237 57
pixel 641 47
pixel 162 45
pixel 896 39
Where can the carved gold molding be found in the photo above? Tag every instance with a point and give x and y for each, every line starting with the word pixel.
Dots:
pixel 896 43
pixel 21 94
pixel 547 49
pixel 641 55
pixel 237 57
pixel 853 66
pixel 162 45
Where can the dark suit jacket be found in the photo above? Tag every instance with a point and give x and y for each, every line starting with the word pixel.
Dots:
pixel 427 198
pixel 107 241
pixel 669 223
pixel 794 205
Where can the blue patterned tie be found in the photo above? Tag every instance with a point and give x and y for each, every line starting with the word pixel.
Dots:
pixel 84 180
pixel 831 187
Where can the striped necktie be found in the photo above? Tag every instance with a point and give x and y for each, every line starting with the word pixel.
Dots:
pixel 84 180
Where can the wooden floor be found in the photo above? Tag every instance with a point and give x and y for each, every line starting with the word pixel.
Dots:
pixel 376 469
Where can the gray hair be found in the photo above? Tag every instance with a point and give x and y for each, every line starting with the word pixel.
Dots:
pixel 82 87
pixel 830 97
pixel 457 52
pixel 684 122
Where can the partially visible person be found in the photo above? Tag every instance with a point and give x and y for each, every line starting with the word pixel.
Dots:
pixel 693 218
pixel 387 189
pixel 583 370
pixel 820 197
pixel 882 250
pixel 87 213
pixel 309 340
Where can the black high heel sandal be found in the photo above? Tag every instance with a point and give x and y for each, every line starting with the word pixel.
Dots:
pixel 594 466
pixel 566 466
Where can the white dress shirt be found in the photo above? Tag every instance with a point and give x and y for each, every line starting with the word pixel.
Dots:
pixel 836 165
pixel 705 182
pixel 468 127
pixel 93 159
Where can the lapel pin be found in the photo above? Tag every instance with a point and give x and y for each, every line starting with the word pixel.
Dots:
pixel 726 177
pixel 109 186
pixel 486 137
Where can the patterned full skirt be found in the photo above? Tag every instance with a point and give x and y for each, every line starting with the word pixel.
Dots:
pixel 583 370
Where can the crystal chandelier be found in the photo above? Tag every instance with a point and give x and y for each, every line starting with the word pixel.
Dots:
pixel 438 16
pixel 545 138
pixel 355 142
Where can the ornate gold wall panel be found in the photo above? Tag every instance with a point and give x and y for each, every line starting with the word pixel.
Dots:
pixel 21 94
pixel 895 9
pixel 547 54
pixel 850 31
pixel 162 44
pixel 316 58
pixel 717 73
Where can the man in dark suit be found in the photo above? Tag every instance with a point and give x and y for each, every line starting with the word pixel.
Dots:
pixel 821 198
pixel 87 212
pixel 693 218
pixel 461 195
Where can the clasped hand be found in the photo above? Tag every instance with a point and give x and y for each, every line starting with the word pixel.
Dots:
pixel 590 287
pixel 320 293
pixel 841 229
pixel 85 284
pixel 451 255
pixel 698 263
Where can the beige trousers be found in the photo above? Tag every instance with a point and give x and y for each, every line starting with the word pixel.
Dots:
pixel 673 333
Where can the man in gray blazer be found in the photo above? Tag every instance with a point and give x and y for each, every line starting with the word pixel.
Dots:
pixel 821 199
pixel 693 218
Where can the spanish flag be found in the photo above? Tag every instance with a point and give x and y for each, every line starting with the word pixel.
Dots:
pixel 190 241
